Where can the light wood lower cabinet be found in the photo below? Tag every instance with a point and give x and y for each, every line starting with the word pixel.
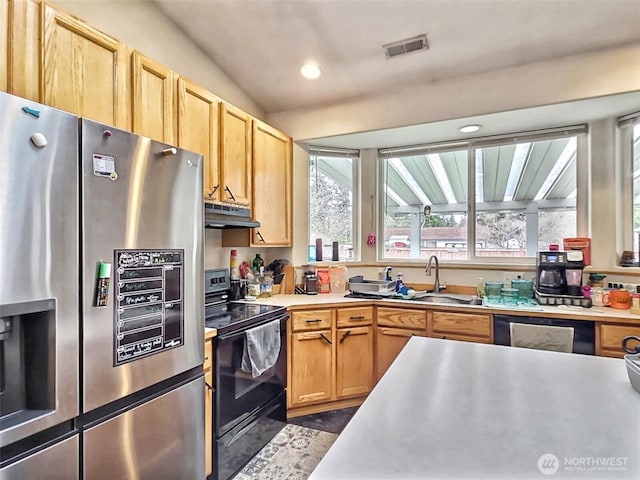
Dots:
pixel 326 363
pixel 468 327
pixel 312 371
pixel 354 361
pixel 208 406
pixel 389 343
pixel 395 326
pixel 609 338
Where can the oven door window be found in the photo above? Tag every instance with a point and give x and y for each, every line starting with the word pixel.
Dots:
pixel 238 392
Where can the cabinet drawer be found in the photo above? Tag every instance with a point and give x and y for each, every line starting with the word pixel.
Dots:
pixel 461 323
pixel 350 317
pixel 462 338
pixel 402 317
pixel 311 320
pixel 611 335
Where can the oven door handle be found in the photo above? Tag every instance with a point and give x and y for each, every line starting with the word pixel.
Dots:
pixel 255 422
pixel 243 330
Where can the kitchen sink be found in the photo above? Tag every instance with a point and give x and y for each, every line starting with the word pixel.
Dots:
pixel 454 298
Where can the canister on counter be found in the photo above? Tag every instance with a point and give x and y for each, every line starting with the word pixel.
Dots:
pixel 635 303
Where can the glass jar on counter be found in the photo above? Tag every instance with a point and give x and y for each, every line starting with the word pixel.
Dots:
pixel 493 291
pixel 509 296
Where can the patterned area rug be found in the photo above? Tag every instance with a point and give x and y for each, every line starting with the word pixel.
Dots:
pixel 292 455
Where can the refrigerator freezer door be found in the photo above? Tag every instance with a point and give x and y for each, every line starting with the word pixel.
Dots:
pixel 39 231
pixel 163 438
pixel 57 462
pixel 138 195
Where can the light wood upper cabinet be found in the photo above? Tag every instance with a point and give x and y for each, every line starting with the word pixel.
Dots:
pixel 4 46
pixel 83 70
pixel 153 99
pixel 235 155
pixel 21 39
pixel 354 361
pixel 272 186
pixel 198 117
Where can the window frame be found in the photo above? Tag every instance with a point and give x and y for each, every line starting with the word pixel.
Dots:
pixel 356 174
pixel 624 181
pixel 580 131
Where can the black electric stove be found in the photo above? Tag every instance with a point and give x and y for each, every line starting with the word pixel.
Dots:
pixel 246 401
pixel 227 316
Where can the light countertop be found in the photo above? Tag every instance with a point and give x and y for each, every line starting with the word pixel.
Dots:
pixel 448 409
pixel 603 314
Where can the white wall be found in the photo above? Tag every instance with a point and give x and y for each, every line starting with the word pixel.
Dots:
pixel 577 77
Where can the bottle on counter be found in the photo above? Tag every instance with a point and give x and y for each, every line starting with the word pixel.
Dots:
pixel 480 287
pixel 234 269
pixel 266 285
pixel 258 264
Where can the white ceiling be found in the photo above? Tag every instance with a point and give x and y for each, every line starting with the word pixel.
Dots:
pixel 261 44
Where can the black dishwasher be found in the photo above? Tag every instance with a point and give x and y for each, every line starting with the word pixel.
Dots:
pixel 584 331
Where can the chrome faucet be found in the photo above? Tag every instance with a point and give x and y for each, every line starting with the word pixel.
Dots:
pixel 427 271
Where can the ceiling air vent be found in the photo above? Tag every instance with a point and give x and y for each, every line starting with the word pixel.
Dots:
pixel 408 45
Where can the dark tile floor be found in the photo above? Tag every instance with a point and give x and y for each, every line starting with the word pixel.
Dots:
pixel 333 421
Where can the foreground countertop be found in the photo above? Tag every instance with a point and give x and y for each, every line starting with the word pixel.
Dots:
pixel 448 409
pixel 601 314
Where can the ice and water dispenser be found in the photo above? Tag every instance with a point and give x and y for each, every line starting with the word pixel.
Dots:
pixel 27 356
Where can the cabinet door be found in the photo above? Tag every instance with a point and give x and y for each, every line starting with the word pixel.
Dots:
pixel 312 367
pixel 84 70
pixel 235 155
pixel 208 406
pixel 4 46
pixel 23 47
pixel 198 115
pixel 153 99
pixel 272 187
pixel 354 361
pixel 389 343
pixel 609 338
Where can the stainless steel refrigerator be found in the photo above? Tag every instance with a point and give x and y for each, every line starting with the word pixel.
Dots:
pixel 101 301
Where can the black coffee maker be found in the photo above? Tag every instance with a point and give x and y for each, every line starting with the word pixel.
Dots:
pixel 560 273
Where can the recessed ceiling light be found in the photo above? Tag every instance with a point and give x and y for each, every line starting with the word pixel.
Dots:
pixel 470 128
pixel 310 71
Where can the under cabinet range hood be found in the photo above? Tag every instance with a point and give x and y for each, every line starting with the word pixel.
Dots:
pixel 218 215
